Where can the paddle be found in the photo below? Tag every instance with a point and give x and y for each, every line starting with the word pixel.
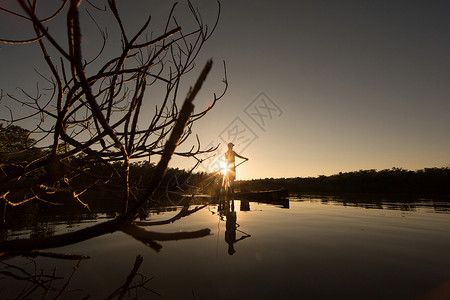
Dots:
pixel 240 163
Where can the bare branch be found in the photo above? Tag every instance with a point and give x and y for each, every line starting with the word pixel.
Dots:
pixel 90 111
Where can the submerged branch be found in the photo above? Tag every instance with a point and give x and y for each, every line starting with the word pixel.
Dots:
pixel 34 253
pixel 28 246
pixel 184 212
pixel 65 239
pixel 145 235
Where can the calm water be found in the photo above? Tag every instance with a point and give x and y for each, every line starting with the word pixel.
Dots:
pixel 307 248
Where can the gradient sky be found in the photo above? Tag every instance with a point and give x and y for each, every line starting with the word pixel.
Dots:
pixel 316 87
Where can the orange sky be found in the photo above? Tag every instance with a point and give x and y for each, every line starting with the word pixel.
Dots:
pixel 315 87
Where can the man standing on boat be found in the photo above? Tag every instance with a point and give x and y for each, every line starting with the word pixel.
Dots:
pixel 230 156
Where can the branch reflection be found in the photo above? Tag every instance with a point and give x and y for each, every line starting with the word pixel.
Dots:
pixel 31 281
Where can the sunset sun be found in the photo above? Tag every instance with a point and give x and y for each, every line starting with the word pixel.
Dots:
pixel 223 167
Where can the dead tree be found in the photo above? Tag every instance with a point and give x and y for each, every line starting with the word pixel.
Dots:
pixel 93 114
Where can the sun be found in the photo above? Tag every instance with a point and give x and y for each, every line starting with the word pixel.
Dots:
pixel 223 167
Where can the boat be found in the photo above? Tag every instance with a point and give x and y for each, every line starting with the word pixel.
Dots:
pixel 275 197
pixel 278 194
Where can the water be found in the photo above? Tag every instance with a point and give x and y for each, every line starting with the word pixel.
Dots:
pixel 309 248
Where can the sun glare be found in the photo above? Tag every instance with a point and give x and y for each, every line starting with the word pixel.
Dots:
pixel 223 167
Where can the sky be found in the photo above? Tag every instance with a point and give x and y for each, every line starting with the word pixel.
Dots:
pixel 315 87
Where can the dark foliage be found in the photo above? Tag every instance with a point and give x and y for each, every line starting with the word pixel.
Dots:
pixel 16 146
pixel 395 180
pixel 104 106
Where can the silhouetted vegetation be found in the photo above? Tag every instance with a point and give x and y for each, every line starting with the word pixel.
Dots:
pixel 16 146
pixel 395 180
pixel 105 188
pixel 91 117
pixel 90 120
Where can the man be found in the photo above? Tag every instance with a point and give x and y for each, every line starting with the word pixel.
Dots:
pixel 230 156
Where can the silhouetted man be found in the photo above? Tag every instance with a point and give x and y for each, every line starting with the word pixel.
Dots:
pixel 230 156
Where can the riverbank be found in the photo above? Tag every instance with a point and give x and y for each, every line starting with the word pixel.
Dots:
pixel 425 182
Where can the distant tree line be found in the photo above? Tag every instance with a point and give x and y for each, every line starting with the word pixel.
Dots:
pixel 17 150
pixel 395 180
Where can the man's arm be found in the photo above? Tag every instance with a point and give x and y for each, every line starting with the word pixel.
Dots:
pixel 240 156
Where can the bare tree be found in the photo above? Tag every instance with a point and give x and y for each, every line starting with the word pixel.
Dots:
pixel 93 114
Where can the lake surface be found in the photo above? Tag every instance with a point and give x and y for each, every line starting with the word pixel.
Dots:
pixel 310 247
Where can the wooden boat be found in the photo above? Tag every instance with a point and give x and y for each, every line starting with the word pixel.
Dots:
pixel 274 197
pixel 263 195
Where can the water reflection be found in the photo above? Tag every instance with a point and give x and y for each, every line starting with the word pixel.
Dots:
pixel 28 279
pixel 227 211
pixel 344 251
pixel 36 221
pixel 409 203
